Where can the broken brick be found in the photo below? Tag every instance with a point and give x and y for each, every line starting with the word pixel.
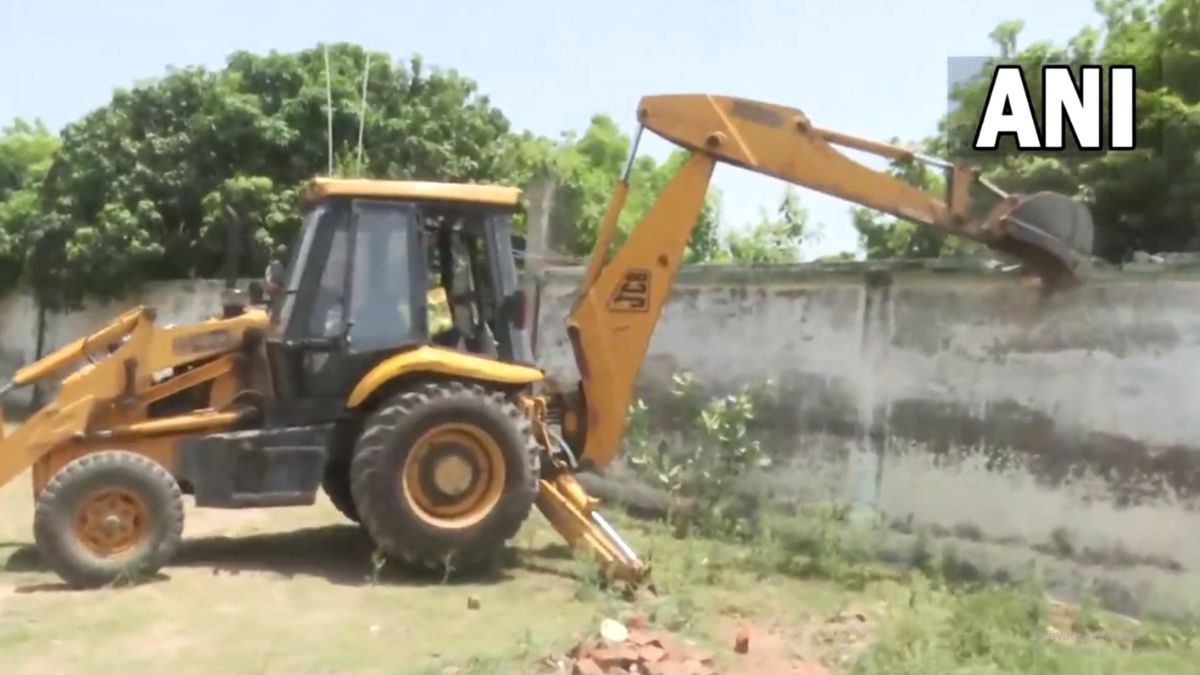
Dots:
pixel 652 653
pixel 586 666
pixel 646 637
pixel 601 654
pixel 639 636
pixel 643 651
pixel 625 652
pixel 668 668
pixel 741 643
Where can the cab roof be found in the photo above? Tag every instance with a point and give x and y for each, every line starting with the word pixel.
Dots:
pixel 407 190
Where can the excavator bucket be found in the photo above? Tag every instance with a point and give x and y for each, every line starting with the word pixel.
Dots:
pixel 1052 234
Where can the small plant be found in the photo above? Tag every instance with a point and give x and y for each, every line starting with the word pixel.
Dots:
pixel 130 575
pixel 588 572
pixel 526 646
pixel 676 613
pixel 719 451
pixel 447 568
pixel 1087 619
pixel 378 562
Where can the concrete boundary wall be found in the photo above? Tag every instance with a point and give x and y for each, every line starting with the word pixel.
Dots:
pixel 1062 432
pixel 946 395
pixel 176 301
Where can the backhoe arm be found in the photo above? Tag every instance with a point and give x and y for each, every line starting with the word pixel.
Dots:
pixel 621 299
pixel 1050 234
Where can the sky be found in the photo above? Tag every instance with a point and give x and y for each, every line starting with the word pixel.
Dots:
pixel 872 68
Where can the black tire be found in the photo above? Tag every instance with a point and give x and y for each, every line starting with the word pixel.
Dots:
pixel 395 522
pixel 336 485
pixel 156 500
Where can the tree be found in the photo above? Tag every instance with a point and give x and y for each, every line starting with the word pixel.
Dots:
pixel 26 151
pixel 1147 199
pixel 773 240
pixel 883 236
pixel 147 185
pixel 587 167
pixel 1005 36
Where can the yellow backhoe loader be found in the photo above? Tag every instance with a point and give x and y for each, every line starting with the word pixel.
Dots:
pixel 438 440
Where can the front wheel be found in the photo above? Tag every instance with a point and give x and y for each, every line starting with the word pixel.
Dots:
pixel 106 516
pixel 336 484
pixel 445 474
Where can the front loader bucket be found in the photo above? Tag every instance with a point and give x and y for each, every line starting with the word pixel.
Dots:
pixel 1051 234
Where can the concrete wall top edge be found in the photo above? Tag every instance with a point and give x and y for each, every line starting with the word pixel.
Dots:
pixel 852 272
pixel 958 270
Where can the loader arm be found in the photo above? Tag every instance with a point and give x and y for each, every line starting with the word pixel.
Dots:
pixel 621 298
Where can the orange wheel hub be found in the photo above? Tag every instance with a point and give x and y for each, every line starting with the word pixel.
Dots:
pixel 453 476
pixel 111 521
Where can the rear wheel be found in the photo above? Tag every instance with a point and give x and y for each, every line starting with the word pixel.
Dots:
pixel 106 516
pixel 445 473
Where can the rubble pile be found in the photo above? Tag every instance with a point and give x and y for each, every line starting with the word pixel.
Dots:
pixel 634 649
pixel 626 650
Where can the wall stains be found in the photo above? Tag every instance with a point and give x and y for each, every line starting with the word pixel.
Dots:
pixel 1012 435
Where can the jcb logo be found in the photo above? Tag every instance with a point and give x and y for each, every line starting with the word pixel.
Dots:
pixel 632 294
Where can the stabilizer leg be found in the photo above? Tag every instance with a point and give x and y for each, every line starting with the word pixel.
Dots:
pixel 572 512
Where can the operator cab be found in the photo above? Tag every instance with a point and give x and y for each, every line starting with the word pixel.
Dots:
pixel 388 266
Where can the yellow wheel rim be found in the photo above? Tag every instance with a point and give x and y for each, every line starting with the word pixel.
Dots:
pixel 454 475
pixel 111 522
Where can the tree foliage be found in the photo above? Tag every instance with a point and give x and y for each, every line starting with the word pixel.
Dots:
pixel 772 240
pixel 26 151
pixel 148 186
pixel 884 236
pixel 586 167
pixel 145 187
pixel 1147 199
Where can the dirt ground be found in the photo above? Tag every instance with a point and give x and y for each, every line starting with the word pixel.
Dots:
pixel 294 591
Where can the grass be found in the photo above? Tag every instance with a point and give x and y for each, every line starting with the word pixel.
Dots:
pixel 295 591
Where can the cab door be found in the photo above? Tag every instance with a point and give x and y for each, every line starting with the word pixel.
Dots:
pixel 388 284
pixel 360 300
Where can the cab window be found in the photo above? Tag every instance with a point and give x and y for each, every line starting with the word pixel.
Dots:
pixel 326 319
pixel 382 296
